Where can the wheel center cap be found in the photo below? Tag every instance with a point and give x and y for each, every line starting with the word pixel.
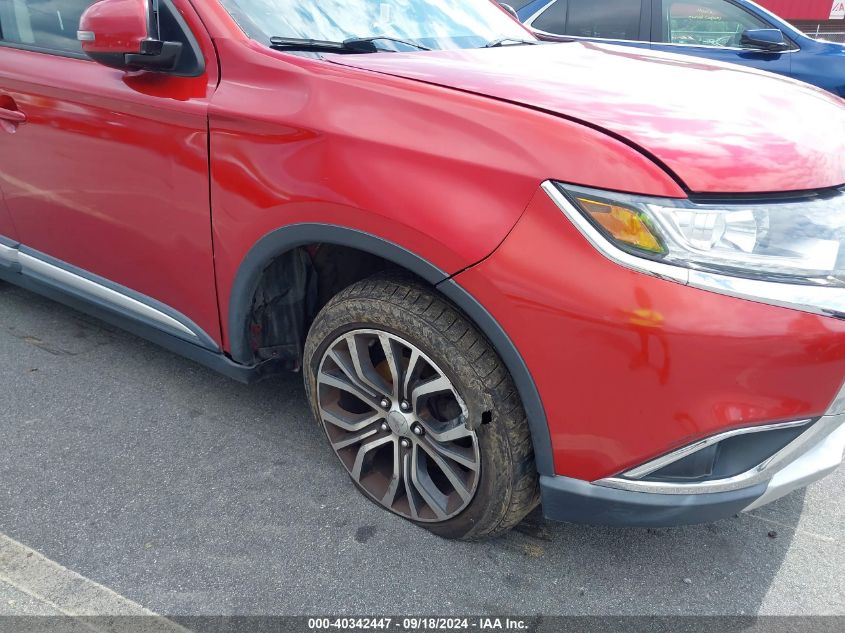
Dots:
pixel 398 423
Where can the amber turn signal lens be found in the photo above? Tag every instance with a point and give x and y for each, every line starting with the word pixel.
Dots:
pixel 623 224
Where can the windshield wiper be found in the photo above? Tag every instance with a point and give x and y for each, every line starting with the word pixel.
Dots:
pixel 351 45
pixel 509 41
pixel 355 41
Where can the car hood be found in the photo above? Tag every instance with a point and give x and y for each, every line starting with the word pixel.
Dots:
pixel 716 127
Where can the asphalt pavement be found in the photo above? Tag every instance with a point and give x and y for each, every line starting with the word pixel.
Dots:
pixel 187 493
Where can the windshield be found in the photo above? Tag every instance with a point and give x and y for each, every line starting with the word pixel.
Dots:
pixel 431 23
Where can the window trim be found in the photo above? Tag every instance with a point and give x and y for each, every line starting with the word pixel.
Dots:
pixel 533 18
pixel 644 28
pixel 44 51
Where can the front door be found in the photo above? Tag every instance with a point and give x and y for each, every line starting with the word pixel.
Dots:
pixel 106 172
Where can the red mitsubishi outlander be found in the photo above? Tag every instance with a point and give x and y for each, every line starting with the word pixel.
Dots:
pixel 599 277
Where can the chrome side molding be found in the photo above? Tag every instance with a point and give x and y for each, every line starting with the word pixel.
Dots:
pixel 102 292
pixel 8 255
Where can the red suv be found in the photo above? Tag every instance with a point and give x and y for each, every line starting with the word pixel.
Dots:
pixel 607 278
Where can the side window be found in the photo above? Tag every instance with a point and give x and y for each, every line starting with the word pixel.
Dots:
pixel 553 19
pixel 610 19
pixel 45 24
pixel 607 19
pixel 706 22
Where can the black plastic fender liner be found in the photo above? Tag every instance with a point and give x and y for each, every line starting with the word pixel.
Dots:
pixel 286 238
pixel 282 240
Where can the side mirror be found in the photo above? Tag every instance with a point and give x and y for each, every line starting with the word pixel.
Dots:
pixel 124 34
pixel 510 10
pixel 771 40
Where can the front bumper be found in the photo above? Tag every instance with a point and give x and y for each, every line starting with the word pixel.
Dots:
pixel 632 366
pixel 629 366
pixel 814 454
pixel 576 501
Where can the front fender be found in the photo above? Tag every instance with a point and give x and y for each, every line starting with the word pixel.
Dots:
pixel 284 239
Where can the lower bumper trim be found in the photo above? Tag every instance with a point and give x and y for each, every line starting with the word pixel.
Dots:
pixel 577 501
pixel 815 464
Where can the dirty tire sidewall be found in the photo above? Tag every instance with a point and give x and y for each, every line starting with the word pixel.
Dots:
pixel 507 487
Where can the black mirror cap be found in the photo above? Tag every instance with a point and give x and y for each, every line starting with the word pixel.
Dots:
pixel 155 55
pixel 158 57
pixel 509 9
pixel 771 40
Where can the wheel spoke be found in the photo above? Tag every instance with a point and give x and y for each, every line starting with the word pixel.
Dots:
pixel 347 367
pixel 353 425
pixel 424 485
pixel 353 438
pixel 455 430
pixel 347 386
pixel 364 367
pixel 392 363
pixel 393 487
pixel 409 488
pixel 447 469
pixel 435 385
pixel 363 451
pixel 463 456
pixel 410 373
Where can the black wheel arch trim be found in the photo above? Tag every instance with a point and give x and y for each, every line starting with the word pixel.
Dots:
pixel 286 238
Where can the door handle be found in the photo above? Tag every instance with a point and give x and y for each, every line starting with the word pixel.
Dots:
pixel 14 116
pixel 10 116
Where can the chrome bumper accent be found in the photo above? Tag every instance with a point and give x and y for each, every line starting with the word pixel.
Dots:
pixel 815 464
pixel 653 466
pixel 809 457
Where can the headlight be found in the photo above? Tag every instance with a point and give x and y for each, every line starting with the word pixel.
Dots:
pixel 795 241
pixel 781 250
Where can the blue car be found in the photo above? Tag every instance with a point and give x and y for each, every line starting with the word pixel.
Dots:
pixel 736 31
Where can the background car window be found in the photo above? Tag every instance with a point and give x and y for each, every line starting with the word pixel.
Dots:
pixel 553 19
pixel 706 22
pixel 45 24
pixel 606 19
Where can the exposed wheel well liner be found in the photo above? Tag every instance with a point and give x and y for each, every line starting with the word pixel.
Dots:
pixel 282 240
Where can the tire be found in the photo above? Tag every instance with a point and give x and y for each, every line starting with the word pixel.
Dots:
pixel 465 449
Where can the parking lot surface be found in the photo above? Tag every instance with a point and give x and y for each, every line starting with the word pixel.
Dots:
pixel 188 493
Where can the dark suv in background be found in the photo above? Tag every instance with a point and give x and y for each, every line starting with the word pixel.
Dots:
pixel 736 31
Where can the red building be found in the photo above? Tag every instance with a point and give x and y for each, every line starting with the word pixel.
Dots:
pixel 819 18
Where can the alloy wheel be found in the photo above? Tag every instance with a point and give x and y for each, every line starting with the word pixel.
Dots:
pixel 398 425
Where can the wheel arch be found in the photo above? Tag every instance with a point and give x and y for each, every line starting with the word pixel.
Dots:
pixel 282 240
